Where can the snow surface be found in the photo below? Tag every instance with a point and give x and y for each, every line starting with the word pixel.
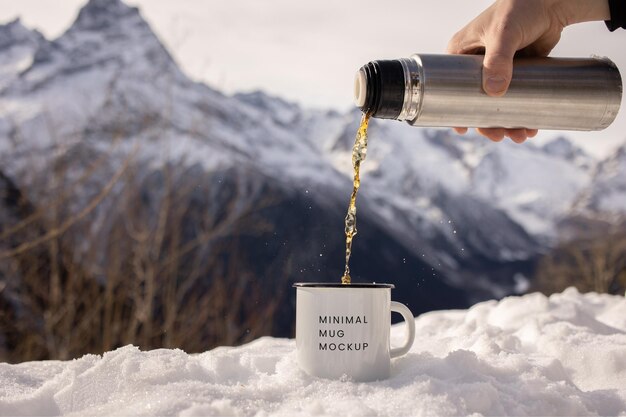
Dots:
pixel 530 355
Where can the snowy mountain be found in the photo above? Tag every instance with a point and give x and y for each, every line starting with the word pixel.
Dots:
pixel 449 220
pixel 608 194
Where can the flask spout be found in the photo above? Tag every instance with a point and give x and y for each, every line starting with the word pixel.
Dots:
pixel 379 89
pixel 360 88
pixel 388 89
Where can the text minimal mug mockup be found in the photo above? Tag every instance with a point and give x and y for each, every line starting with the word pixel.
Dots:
pixel 343 329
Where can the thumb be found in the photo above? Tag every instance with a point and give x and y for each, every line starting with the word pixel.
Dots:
pixel 498 67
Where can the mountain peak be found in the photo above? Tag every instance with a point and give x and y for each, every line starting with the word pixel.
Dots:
pixel 283 112
pixel 14 32
pixel 563 147
pixel 109 30
pixel 102 14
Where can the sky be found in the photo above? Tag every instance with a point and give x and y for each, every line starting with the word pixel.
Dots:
pixel 308 52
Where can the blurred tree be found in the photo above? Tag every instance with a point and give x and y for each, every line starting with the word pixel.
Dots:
pixel 170 275
pixel 592 261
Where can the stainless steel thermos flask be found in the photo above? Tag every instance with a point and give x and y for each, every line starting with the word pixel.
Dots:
pixel 446 90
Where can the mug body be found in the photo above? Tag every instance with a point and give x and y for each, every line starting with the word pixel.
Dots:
pixel 343 329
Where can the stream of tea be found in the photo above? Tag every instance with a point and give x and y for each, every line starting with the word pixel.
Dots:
pixel 359 151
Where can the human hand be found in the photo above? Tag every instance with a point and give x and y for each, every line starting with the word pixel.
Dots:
pixel 518 27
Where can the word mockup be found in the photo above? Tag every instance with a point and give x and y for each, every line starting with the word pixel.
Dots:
pixel 334 334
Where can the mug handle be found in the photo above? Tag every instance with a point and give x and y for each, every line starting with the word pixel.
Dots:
pixel 410 321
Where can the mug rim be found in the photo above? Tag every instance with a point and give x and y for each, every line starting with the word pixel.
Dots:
pixel 339 285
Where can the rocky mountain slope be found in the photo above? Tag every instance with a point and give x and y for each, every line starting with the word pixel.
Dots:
pixel 103 115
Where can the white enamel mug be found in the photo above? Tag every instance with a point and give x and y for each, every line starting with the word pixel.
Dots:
pixel 343 329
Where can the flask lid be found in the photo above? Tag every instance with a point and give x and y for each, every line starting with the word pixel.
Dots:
pixel 379 88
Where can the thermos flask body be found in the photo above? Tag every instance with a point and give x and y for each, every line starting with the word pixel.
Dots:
pixel 446 90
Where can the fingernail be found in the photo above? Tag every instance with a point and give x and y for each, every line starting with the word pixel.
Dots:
pixel 495 85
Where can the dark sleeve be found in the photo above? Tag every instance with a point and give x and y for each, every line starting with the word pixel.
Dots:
pixel 618 15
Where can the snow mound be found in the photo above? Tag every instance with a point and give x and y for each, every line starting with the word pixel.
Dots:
pixel 529 355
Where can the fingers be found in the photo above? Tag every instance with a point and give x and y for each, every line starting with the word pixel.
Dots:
pixel 465 41
pixel 498 134
pixel 517 135
pixel 500 46
pixel 493 134
pixel 496 33
pixel 531 133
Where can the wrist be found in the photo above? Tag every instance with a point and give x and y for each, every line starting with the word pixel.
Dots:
pixel 578 11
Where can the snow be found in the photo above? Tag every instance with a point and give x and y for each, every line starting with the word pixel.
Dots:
pixel 529 355
pixel 536 189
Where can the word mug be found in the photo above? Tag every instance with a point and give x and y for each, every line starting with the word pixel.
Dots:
pixel 343 329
